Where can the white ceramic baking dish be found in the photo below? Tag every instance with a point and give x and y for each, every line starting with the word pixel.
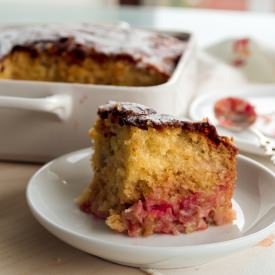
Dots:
pixel 42 120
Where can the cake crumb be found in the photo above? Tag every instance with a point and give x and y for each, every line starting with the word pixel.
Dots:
pixel 267 242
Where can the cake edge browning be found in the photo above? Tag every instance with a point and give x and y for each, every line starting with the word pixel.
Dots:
pixel 140 116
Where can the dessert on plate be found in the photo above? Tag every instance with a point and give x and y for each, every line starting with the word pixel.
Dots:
pixel 155 173
pixel 88 53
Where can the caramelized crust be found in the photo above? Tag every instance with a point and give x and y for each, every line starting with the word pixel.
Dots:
pixel 137 115
pixel 100 54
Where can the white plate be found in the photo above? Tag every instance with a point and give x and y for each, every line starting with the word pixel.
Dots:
pixel 261 96
pixel 51 192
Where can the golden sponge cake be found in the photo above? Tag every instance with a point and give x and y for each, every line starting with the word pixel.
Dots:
pixel 158 174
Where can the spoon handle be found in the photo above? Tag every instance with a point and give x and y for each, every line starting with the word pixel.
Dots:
pixel 267 144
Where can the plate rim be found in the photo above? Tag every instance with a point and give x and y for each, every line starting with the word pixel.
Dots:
pixel 259 235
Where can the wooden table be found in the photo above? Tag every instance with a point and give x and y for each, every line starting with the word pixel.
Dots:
pixel 27 248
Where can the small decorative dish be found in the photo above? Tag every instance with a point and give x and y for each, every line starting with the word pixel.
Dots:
pixel 262 97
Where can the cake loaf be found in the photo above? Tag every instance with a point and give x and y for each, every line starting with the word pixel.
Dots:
pixel 88 53
pixel 158 174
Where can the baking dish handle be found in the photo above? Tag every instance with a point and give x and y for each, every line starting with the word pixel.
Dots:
pixel 58 104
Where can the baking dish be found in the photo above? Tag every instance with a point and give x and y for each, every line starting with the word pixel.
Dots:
pixel 42 120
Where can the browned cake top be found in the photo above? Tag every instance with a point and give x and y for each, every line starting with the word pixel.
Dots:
pixel 144 48
pixel 140 116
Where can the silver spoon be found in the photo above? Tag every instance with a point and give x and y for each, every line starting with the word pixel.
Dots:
pixel 237 114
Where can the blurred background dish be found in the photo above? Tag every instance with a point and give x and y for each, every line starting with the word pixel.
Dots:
pixel 260 96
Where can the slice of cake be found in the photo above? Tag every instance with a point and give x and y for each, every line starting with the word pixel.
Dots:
pixel 158 174
pixel 88 53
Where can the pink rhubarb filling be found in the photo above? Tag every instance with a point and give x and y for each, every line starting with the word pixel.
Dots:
pixel 189 213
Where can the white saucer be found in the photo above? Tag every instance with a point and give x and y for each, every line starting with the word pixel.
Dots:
pixel 261 96
pixel 51 192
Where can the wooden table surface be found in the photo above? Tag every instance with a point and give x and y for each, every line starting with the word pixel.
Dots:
pixel 27 248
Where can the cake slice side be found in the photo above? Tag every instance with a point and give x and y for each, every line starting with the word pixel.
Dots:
pixel 112 145
pixel 157 174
